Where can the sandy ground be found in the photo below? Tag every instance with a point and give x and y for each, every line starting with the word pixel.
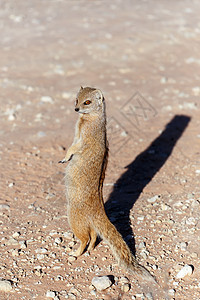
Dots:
pixel 144 56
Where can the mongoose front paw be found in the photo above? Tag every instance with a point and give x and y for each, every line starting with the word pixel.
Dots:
pixel 62 161
pixel 65 160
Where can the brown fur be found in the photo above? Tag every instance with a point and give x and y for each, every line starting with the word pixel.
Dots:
pixel 85 174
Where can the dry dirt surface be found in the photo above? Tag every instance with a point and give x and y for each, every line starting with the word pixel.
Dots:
pixel 144 56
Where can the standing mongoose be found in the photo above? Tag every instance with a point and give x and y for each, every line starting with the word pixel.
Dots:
pixel 85 174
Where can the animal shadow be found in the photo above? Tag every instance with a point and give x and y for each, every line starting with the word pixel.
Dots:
pixel 139 173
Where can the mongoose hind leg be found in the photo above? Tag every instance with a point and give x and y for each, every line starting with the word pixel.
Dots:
pixel 80 250
pixel 84 238
pixel 93 237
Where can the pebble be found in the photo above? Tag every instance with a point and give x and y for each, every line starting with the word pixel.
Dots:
pixel 74 291
pixel 58 240
pixel 165 206
pixel 191 221
pixel 153 199
pixel 16 234
pixel 125 287
pixel 15 252
pixel 194 255
pixel 101 282
pixel 41 134
pixel 12 242
pixel 124 280
pixel 149 296
pixel 5 286
pixel 93 293
pixel 71 258
pixel 68 235
pixel 196 91
pixel 142 245
pixel 71 296
pixel 4 206
pixel 50 294
pixel 183 246
pixel 11 117
pixel 187 270
pixel 40 256
pixel 66 95
pixel 171 292
pixel 41 250
pixel 23 244
pixel 46 99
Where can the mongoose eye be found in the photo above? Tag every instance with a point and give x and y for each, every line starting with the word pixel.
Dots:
pixel 87 102
pixel 76 102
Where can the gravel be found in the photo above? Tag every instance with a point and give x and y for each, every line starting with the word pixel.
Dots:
pixel 187 270
pixel 5 286
pixel 101 282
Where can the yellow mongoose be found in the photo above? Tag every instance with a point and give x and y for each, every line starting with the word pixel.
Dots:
pixel 85 173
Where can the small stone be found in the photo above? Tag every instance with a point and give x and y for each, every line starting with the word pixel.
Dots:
pixel 15 252
pixel 101 282
pixel 142 245
pixel 23 244
pixel 11 117
pixel 194 255
pixel 12 242
pixel 71 244
pixel 140 295
pixel 58 240
pixel 74 291
pixel 68 235
pixel 196 91
pixel 163 80
pixel 71 296
pixel 50 294
pixel 5 286
pixel 165 206
pixel 153 199
pixel 187 270
pixel 191 221
pixel 41 250
pixel 41 134
pixel 16 234
pixel 154 267
pixel 66 95
pixel 4 206
pixel 91 287
pixel 149 296
pixel 40 256
pixel 93 293
pixel 183 246
pixel 125 287
pixel 124 280
pixel 171 292
pixel 71 258
pixel 46 99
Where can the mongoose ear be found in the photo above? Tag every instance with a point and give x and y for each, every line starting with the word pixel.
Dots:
pixel 99 96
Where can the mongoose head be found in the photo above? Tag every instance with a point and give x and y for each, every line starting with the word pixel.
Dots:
pixel 89 101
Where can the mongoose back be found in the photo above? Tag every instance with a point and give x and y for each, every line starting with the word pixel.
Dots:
pixel 85 173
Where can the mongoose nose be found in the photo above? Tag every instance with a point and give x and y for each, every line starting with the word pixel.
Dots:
pixel 76 109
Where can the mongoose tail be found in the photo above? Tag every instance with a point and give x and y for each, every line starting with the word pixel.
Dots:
pixel 119 247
